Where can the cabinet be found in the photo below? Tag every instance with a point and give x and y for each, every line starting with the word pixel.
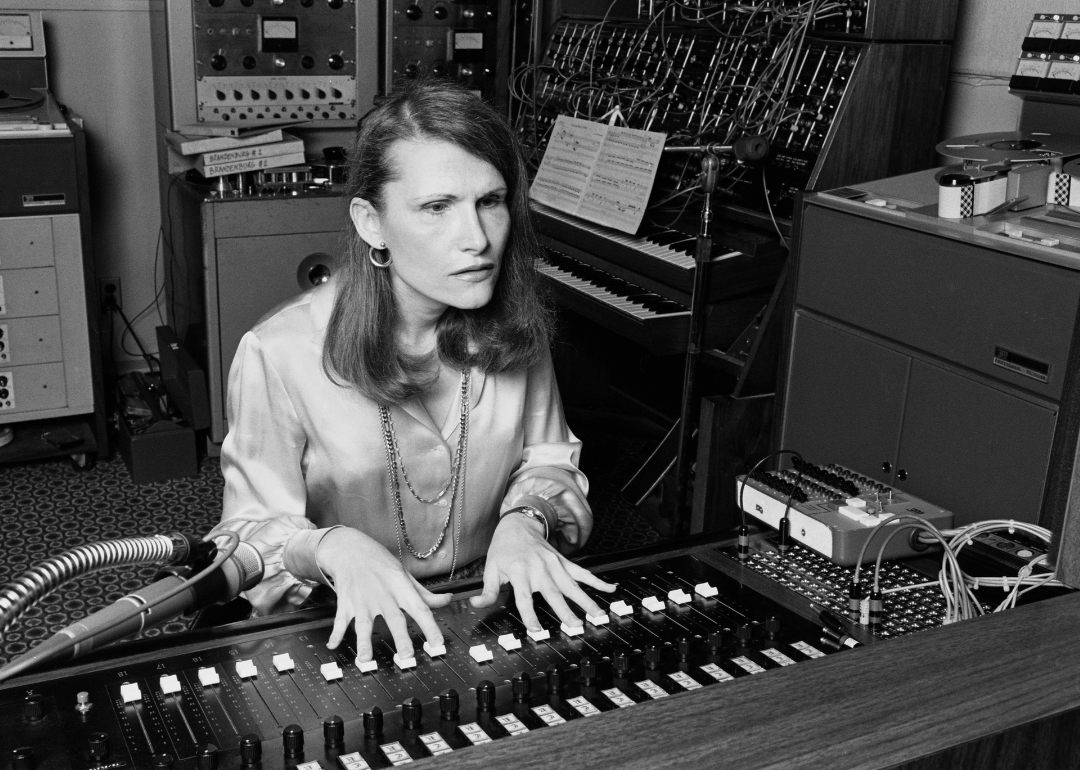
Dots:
pixel 50 369
pixel 898 361
pixel 236 259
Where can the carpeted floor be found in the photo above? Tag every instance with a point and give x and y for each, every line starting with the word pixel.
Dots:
pixel 49 507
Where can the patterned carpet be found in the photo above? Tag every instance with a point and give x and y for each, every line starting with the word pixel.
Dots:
pixel 49 507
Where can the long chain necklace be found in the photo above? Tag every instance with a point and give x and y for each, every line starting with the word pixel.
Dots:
pixel 455 483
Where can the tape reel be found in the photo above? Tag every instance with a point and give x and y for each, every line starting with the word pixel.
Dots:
pixel 1010 147
pixel 19 99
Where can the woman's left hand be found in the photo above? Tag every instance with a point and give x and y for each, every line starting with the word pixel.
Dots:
pixel 520 556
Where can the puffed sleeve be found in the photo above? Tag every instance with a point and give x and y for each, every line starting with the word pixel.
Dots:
pixel 548 474
pixel 265 496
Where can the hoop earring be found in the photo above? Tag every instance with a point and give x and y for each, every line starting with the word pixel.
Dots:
pixel 377 263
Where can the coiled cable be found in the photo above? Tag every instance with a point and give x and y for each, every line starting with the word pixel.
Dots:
pixel 39 581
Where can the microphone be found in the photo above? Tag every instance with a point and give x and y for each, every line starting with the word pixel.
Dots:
pixel 241 571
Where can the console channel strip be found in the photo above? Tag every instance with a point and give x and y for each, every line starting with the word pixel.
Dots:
pixel 279 698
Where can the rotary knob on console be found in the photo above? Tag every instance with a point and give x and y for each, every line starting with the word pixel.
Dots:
pixel 33 708
pixel 373 726
pixel 620 662
pixel 162 762
pixel 99 746
pixel 522 687
pixel 654 654
pixel 684 645
pixel 250 750
pixel 22 758
pixel 412 714
pixel 449 704
pixel 207 757
pixel 292 740
pixel 555 681
pixel 485 696
pixel 333 730
pixel 587 670
pixel 715 640
pixel 745 634
pixel 772 627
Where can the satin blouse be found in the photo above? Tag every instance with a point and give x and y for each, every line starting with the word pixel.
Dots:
pixel 304 455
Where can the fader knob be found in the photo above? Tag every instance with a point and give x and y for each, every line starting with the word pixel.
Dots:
pixel 292 740
pixel 555 677
pixel 333 730
pixel 22 758
pixel 485 696
pixel 99 746
pixel 412 713
pixel 162 762
pixel 33 708
pixel 373 722
pixel 522 687
pixel 653 655
pixel 206 758
pixel 448 704
pixel 250 749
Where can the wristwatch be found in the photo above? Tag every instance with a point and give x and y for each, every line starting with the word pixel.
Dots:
pixel 532 513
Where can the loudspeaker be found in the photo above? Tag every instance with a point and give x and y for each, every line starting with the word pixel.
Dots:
pixel 234 260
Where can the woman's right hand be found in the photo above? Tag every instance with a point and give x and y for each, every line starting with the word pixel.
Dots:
pixel 370 582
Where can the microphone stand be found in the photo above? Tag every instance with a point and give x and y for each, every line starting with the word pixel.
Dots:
pixel 747 148
pixel 688 412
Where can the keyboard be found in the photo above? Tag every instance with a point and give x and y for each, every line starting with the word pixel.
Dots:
pixel 659 260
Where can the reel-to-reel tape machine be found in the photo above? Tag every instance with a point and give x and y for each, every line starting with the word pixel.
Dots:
pixel 1008 170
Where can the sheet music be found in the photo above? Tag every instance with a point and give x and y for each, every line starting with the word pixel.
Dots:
pixel 598 172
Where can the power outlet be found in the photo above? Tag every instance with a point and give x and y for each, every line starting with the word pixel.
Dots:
pixel 109 286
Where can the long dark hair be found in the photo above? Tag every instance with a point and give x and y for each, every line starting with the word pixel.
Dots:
pixel 511 332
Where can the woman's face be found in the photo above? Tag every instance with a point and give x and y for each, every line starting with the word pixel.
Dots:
pixel 445 222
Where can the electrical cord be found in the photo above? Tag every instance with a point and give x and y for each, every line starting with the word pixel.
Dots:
pixel 25 662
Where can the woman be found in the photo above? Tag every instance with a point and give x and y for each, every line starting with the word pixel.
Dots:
pixel 402 420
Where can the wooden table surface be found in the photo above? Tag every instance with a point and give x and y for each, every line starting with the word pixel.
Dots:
pixel 1001 691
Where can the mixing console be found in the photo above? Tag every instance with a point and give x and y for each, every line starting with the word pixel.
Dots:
pixel 276 699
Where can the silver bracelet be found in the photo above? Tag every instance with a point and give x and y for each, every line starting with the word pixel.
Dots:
pixel 532 513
